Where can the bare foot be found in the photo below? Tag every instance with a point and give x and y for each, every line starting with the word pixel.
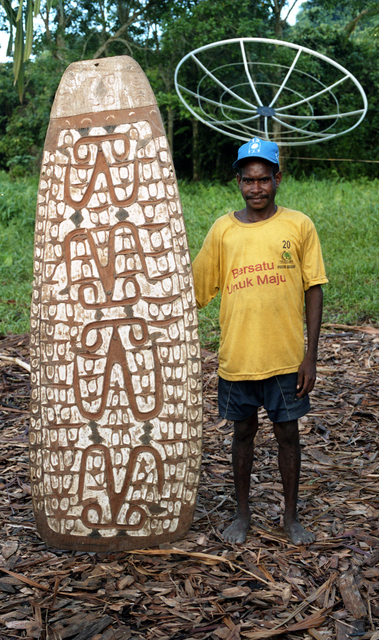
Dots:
pixel 236 532
pixel 297 534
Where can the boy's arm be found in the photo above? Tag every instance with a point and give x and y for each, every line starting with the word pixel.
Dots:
pixel 306 376
pixel 206 274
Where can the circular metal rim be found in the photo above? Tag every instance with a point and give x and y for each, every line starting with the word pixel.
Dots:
pixel 290 45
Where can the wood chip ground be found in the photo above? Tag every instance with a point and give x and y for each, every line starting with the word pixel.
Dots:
pixel 200 587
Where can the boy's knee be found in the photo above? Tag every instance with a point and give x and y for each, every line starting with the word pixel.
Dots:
pixel 287 433
pixel 246 429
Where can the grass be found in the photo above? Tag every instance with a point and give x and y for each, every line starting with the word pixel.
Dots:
pixel 346 215
pixel 17 214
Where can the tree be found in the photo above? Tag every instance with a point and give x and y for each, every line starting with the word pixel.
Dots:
pixel 354 13
pixel 191 26
pixel 21 24
pixel 321 25
pixel 277 7
pixel 158 33
pixel 109 23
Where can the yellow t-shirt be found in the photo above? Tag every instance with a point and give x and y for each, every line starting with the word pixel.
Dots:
pixel 262 270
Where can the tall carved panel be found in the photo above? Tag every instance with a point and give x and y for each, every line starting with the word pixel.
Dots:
pixel 115 438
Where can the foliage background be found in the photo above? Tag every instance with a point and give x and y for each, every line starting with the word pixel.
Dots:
pixel 158 33
pixel 341 197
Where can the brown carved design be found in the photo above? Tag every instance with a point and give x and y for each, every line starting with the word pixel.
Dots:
pixel 115 354
pixel 101 278
pixel 101 166
pixel 115 438
pixel 105 484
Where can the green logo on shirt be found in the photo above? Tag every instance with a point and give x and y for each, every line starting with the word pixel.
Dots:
pixel 286 256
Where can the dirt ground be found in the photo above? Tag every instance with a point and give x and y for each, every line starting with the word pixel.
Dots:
pixel 199 587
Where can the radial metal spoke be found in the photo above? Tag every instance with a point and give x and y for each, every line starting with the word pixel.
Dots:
pixel 247 71
pixel 221 84
pixel 311 133
pixel 331 115
pixel 232 125
pixel 229 119
pixel 198 96
pixel 286 78
pixel 314 95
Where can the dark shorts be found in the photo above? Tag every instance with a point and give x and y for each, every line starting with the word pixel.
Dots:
pixel 239 400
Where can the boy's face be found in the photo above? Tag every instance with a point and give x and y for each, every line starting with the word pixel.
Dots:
pixel 258 185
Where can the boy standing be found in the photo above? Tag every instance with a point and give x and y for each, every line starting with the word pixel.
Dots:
pixel 265 260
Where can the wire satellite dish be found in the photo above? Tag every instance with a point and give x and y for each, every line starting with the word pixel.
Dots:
pixel 246 87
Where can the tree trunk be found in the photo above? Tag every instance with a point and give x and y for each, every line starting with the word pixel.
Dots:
pixel 195 150
pixel 277 6
pixel 60 37
pixel 284 150
pixel 170 128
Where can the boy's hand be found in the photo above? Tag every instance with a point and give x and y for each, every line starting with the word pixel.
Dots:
pixel 306 377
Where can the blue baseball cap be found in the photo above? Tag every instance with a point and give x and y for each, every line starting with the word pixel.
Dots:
pixel 257 148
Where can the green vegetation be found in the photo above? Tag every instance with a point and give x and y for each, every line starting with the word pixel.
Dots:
pixel 346 215
pixel 158 33
pixel 17 213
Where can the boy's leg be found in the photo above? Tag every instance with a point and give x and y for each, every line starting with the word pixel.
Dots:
pixel 287 435
pixel 242 457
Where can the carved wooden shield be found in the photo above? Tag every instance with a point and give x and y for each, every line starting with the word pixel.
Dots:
pixel 115 437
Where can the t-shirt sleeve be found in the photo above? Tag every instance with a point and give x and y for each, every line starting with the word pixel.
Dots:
pixel 206 271
pixel 313 269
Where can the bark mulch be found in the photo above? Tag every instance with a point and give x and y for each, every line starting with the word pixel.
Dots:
pixel 200 587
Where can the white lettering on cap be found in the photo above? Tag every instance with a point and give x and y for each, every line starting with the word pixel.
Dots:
pixel 255 146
